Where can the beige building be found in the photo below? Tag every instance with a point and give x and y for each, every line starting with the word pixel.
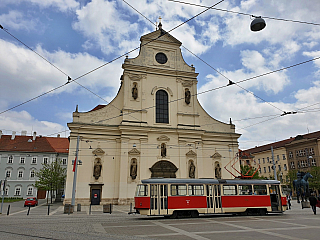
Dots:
pixel 154 127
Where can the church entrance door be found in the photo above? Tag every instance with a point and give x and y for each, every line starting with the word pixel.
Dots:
pixel 95 196
pixel 164 169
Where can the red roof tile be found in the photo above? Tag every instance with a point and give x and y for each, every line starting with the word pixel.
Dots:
pixel 40 144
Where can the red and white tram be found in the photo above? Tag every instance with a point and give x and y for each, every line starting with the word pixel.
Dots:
pixel 173 196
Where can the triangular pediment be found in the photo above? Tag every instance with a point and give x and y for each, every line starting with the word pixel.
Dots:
pixel 98 151
pixel 163 138
pixel 216 155
pixel 191 154
pixel 134 151
pixel 165 37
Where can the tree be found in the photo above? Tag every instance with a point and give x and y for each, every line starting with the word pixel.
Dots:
pixel 314 183
pixel 246 168
pixel 290 177
pixel 51 177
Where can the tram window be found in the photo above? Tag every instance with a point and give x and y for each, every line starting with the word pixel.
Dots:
pixel 245 190
pixel 195 190
pixel 178 190
pixel 229 190
pixel 260 189
pixel 142 190
pixel 154 190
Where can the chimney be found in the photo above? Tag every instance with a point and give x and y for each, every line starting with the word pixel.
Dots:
pixel 0 133
pixel 13 135
pixel 23 133
pixel 34 136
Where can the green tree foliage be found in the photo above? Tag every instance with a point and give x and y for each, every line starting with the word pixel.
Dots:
pixel 290 177
pixel 51 177
pixel 314 183
pixel 246 168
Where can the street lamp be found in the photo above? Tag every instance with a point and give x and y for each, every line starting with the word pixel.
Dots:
pixel 257 24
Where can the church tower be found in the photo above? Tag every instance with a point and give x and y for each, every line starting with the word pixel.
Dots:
pixel 154 127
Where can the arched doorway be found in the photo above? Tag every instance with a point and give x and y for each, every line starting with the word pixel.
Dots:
pixel 163 169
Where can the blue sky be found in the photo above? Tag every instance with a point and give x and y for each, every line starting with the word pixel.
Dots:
pixel 78 36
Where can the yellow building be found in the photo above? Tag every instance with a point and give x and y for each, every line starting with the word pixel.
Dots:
pixel 154 127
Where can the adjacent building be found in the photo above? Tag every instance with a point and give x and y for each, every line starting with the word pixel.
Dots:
pixel 298 153
pixel 154 127
pixel 21 156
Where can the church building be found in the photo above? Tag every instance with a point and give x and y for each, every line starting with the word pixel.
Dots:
pixel 154 127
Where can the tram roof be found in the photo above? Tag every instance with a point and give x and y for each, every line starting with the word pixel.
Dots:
pixel 207 181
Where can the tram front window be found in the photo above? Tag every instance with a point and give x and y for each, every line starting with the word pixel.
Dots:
pixel 142 190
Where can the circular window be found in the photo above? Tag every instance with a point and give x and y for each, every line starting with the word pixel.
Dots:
pixel 161 58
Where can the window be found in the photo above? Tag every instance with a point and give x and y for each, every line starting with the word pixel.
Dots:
pixel 32 173
pixel 178 190
pixel 311 151
pixel 8 173
pixel 313 162
pixel 10 159
pixel 20 174
pixel 142 190
pixel 245 190
pixel 162 107
pixel 259 170
pixel 17 191
pixel 229 190
pixel 264 169
pixel 268 159
pixel 22 160
pixel 278 158
pixel 45 160
pixel 34 160
pixel 259 160
pixel 64 161
pixel 297 153
pixel 292 165
pixel 285 167
pixel 290 155
pixel 298 164
pixel 6 192
pixel 30 191
pixel 260 189
pixel 283 157
pixel 268 168
pixel 263 160
pixel 195 190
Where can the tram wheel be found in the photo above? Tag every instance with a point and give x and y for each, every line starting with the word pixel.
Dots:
pixel 194 214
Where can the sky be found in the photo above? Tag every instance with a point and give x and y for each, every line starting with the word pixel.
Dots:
pixel 77 36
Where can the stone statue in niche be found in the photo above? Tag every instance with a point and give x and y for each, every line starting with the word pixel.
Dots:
pixel 133 169
pixel 192 170
pixel 97 168
pixel 187 96
pixel 135 91
pixel 163 150
pixel 217 171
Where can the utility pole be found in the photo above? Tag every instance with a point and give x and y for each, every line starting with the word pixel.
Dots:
pixel 3 190
pixel 274 166
pixel 75 174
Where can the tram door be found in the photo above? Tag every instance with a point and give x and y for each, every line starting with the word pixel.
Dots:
pixel 275 198
pixel 213 199
pixel 158 199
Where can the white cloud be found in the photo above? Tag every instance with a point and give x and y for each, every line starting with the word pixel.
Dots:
pixel 17 20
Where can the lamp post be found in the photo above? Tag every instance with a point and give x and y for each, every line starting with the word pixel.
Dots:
pixel 75 174
pixel 274 165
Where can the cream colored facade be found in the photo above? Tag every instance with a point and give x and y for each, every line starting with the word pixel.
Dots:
pixel 127 143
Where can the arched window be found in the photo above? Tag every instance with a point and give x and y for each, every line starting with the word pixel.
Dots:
pixel 162 107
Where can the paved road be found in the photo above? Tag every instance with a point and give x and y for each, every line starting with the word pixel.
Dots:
pixel 293 224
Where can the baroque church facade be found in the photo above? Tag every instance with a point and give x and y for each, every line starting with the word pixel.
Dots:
pixel 154 127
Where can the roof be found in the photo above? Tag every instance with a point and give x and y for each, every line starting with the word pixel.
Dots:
pixel 97 108
pixel 282 143
pixel 40 144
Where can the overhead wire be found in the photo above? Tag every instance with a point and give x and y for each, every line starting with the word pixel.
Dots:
pixel 246 14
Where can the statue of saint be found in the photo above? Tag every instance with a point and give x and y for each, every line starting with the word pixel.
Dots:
pixel 217 171
pixel 187 96
pixel 133 169
pixel 97 169
pixel 192 169
pixel 135 91
pixel 163 150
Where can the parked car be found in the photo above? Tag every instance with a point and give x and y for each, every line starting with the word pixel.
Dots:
pixel 31 201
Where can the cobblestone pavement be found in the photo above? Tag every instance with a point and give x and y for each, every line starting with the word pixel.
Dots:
pixel 297 223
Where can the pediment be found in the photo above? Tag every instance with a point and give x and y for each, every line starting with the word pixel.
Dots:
pixel 98 151
pixel 166 37
pixel 216 155
pixel 163 138
pixel 191 154
pixel 134 151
